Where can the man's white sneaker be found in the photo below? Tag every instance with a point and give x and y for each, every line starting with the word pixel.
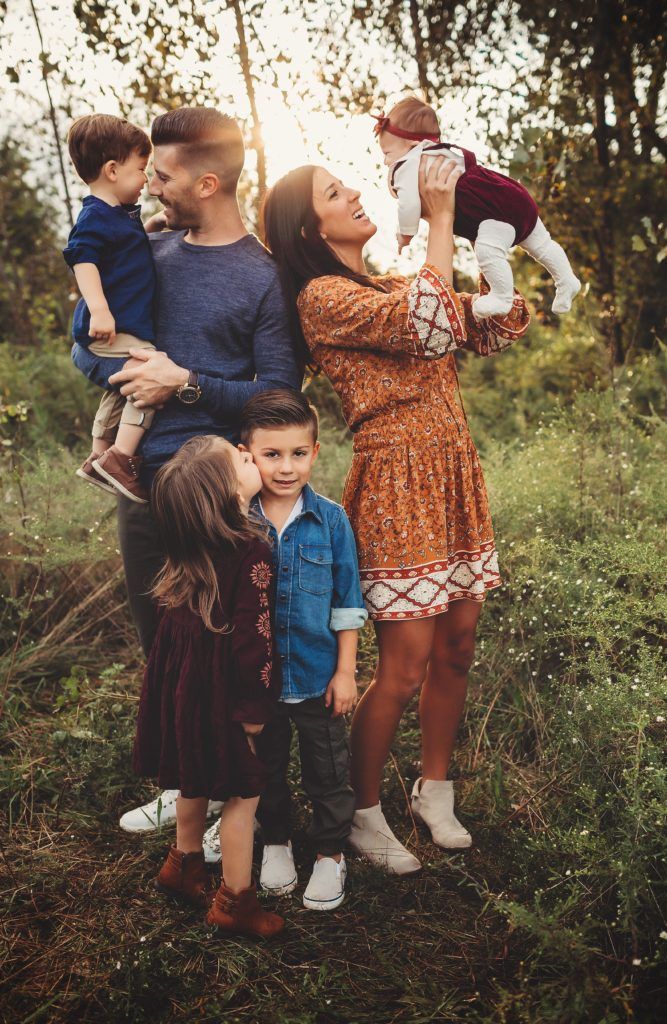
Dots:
pixel 278 874
pixel 159 812
pixel 372 838
pixel 433 803
pixel 326 888
pixel 211 843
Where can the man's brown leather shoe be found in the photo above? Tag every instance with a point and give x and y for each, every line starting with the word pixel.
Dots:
pixel 239 913
pixel 184 875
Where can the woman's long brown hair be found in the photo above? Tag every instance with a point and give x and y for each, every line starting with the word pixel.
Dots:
pixel 292 234
pixel 199 519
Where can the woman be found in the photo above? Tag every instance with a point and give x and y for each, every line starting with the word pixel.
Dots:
pixel 415 493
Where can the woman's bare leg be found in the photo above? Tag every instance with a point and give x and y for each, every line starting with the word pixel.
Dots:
pixel 236 835
pixel 190 823
pixel 403 653
pixel 444 691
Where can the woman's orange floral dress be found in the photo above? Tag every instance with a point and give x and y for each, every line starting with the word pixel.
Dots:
pixel 415 493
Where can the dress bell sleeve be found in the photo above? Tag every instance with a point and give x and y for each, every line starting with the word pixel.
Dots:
pixel 423 318
pixel 494 334
pixel 257 682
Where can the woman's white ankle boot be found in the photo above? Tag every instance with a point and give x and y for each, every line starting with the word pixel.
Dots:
pixel 372 839
pixel 433 803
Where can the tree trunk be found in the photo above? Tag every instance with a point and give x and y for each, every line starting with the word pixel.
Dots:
pixel 420 52
pixel 257 140
pixel 52 115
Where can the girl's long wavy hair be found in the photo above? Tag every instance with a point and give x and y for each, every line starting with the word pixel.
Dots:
pixel 199 519
pixel 291 232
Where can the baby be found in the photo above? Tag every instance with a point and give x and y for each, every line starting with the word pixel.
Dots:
pixel 493 211
pixel 110 254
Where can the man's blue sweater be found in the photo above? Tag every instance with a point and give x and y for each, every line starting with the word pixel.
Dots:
pixel 221 312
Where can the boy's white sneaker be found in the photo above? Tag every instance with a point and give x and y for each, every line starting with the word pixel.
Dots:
pixel 278 873
pixel 433 803
pixel 372 839
pixel 326 888
pixel 158 812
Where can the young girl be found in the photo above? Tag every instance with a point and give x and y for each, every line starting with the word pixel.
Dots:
pixel 212 681
pixel 493 212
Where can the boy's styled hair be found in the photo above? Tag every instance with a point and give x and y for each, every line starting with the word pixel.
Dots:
pixel 96 138
pixel 207 141
pixel 413 115
pixel 199 518
pixel 277 408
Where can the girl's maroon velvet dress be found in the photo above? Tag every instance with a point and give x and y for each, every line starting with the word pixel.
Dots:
pixel 199 686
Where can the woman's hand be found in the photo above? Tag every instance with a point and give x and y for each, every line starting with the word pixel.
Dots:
pixel 437 185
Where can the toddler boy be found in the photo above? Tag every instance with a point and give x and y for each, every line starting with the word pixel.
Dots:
pixel 110 255
pixel 318 612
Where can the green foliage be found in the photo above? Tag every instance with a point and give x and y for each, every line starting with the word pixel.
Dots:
pixel 57 402
pixel 572 647
pixel 34 282
pixel 554 916
pixel 589 143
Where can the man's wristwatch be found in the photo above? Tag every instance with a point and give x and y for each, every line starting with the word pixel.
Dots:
pixel 190 392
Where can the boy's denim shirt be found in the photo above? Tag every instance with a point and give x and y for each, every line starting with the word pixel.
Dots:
pixel 317 593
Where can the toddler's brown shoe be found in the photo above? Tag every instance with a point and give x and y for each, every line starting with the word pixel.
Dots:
pixel 239 913
pixel 184 876
pixel 88 473
pixel 122 472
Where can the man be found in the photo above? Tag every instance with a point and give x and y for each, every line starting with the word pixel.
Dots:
pixel 222 330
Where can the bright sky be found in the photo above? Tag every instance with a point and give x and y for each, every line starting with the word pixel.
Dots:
pixel 300 130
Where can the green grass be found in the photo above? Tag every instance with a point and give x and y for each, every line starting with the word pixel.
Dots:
pixel 557 913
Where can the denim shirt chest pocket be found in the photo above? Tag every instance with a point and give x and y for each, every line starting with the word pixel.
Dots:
pixel 315 568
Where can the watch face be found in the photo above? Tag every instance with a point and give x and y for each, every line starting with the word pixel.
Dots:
pixel 188 394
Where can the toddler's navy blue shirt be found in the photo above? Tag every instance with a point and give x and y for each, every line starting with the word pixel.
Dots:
pixel 113 238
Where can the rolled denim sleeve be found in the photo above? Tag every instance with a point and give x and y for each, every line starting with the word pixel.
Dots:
pixel 347 606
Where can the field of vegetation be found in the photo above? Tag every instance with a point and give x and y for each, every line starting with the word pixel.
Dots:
pixel 555 913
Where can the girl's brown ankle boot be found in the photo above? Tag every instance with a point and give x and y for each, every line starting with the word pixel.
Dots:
pixel 184 875
pixel 240 913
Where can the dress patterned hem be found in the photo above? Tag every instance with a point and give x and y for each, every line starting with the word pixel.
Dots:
pixel 419 591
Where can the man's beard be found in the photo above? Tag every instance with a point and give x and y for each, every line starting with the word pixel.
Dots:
pixel 182 216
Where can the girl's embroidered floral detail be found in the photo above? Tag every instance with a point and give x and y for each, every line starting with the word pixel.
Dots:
pixel 264 624
pixel 260 575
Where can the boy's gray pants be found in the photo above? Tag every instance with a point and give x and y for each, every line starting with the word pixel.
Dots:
pixel 325 772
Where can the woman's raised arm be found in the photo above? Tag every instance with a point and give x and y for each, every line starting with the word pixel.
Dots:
pixel 424 318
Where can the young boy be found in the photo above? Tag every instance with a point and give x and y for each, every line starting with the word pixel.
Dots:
pixel 318 612
pixel 110 255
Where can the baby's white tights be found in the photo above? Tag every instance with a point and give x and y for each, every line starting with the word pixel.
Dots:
pixel 494 241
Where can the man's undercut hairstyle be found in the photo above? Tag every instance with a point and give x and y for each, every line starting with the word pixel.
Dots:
pixel 275 409
pixel 413 115
pixel 95 139
pixel 208 141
